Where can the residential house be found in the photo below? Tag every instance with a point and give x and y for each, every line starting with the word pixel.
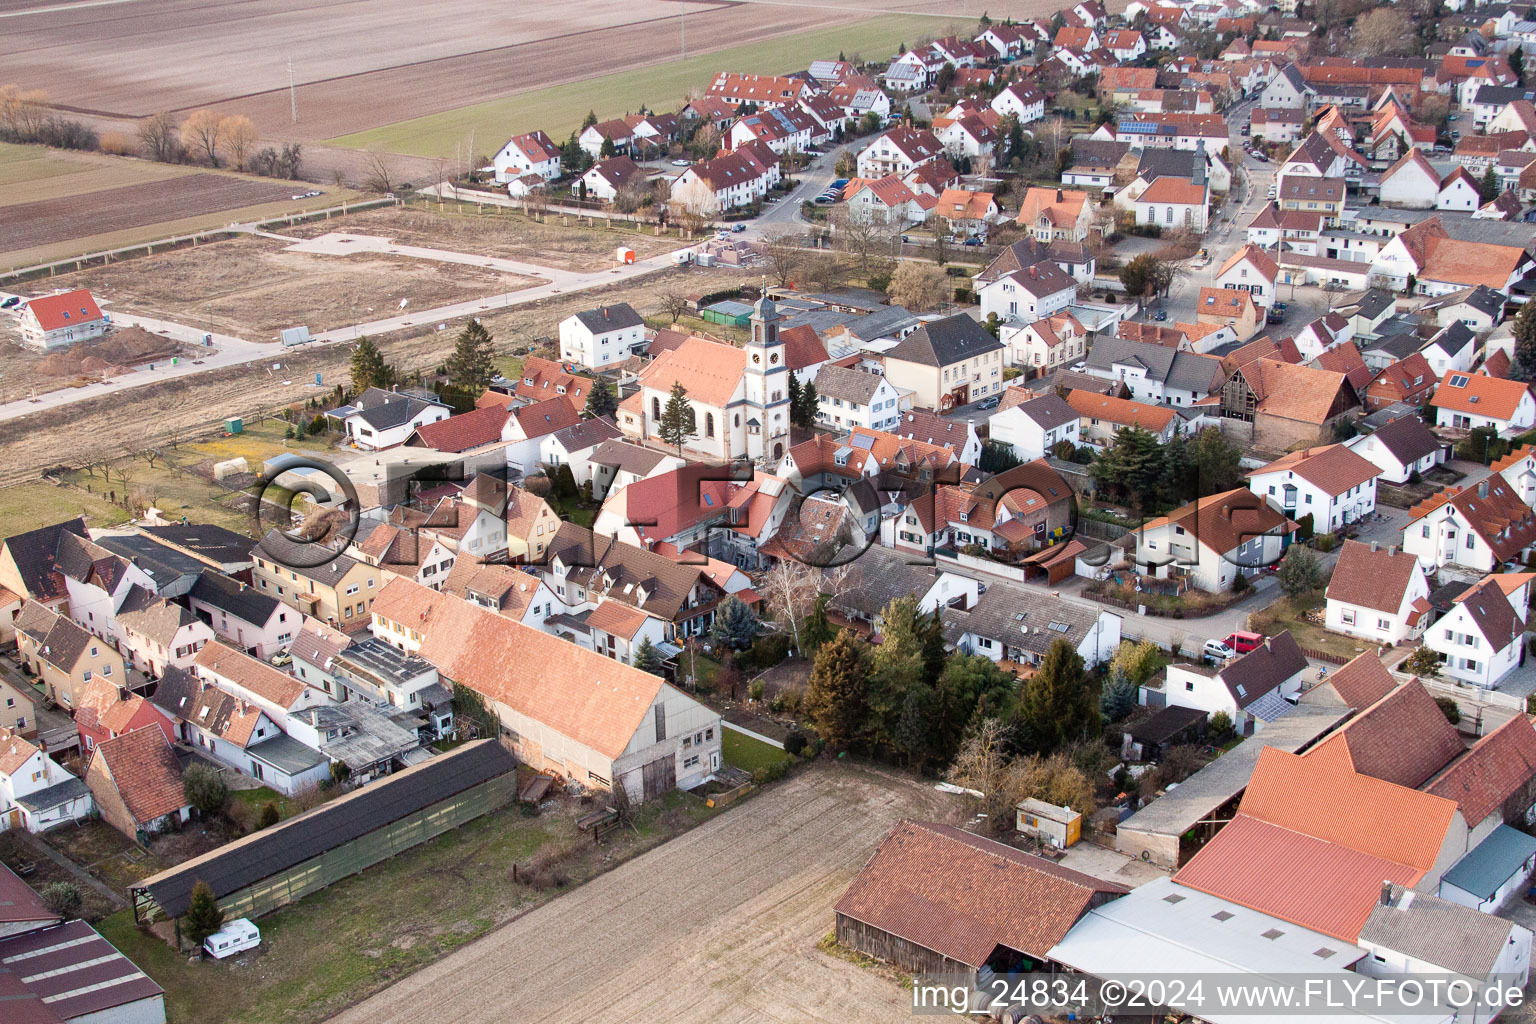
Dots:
pixel 530 153
pixel 1230 307
pixel 1518 469
pixel 606 179
pixel 1032 426
pixel 1459 191
pixel 380 419
pixel 1380 594
pixel 63 655
pixel 1020 100
pixel 1056 214
pixel 1250 269
pixel 1102 417
pixel 1464 401
pixel 1409 381
pixel 967 213
pixel 1029 294
pixel 106 711
pixel 136 782
pixel 1048 344
pixel 1437 264
pixel 948 362
pixel 1452 349
pixel 1154 373
pixel 899 151
pixel 241 615
pixel 886 200
pixel 848 397
pixel 573 446
pixel 157 633
pixel 18 709
pixel 766 91
pixel 614 136
pixel 781 129
pixel 929 428
pixel 1400 449
pixel 1482 639
pixel 1287 90
pixel 994 626
pixel 338 590
pixel 36 793
pixel 1477 527
pixel 56 321
pixel 1479 309
pixel 1213 538
pixel 617 464
pixel 1251 690
pixel 598 338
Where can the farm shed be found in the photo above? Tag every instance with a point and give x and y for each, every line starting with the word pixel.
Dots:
pixel 279 865
pixel 935 898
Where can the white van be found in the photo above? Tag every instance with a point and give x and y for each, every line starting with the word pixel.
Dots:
pixel 236 936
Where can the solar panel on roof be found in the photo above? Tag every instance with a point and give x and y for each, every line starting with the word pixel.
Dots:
pixel 862 441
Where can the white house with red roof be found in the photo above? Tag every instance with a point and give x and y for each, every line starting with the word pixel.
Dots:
pixel 1481 640
pixel 1478 527
pixel 1381 594
pixel 1332 484
pixel 1252 270
pixel 1465 401
pixel 898 151
pixel 1022 101
pixel 531 153
pixel 54 321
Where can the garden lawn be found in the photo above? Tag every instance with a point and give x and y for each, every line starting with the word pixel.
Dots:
pixel 1286 614
pixel 747 753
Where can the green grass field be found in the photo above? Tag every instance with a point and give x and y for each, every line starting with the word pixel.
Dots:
pixel 747 753
pixel 559 109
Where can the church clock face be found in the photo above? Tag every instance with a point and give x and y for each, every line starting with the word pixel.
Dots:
pixel 757 357
pixel 774 359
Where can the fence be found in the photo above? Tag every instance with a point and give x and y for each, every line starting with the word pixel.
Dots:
pixel 1332 659
pixel 1097 529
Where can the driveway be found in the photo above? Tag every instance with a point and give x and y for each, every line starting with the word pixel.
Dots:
pixel 719 925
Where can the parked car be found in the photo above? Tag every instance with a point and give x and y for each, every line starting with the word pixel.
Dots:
pixel 1160 315
pixel 987 403
pixel 680 163
pixel 281 658
pixel 1215 650
pixel 15 299
pixel 974 240
pixel 738 227
pixel 1260 157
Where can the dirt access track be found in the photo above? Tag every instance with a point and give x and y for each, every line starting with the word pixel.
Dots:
pixel 718 925
pixel 359 65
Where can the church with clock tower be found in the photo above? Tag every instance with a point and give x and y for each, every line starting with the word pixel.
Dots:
pixel 739 397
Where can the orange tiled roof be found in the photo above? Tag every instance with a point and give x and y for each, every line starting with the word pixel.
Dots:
pixel 1479 394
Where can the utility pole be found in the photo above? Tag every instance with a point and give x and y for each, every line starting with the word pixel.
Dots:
pixel 683 21
pixel 293 93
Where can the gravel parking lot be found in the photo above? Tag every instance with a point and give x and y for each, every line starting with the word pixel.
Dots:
pixel 718 925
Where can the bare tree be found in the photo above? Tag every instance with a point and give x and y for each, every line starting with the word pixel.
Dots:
pixel 864 240
pixel 202 132
pixel 1383 32
pixel 784 252
pixel 793 587
pixel 981 763
pixel 674 304
pixel 22 111
pixel 919 287
pixel 161 138
pixel 239 135
pixel 378 173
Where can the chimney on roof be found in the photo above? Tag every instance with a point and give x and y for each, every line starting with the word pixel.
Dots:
pixel 1375 547
pixel 1060 196
pixel 1386 892
pixel 1392 551
pixel 1482 489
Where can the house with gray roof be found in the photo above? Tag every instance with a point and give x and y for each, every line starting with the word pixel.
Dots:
pixel 1018 624
pixel 572 445
pixel 602 336
pixel 948 362
pixel 242 615
pixel 383 419
pixel 1436 934
pixel 618 463
pixel 880 575
pixel 1156 374
pixel 1034 426
pixel 1401 448
pixel 847 397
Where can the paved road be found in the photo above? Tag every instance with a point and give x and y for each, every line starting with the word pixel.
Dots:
pixel 228 350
